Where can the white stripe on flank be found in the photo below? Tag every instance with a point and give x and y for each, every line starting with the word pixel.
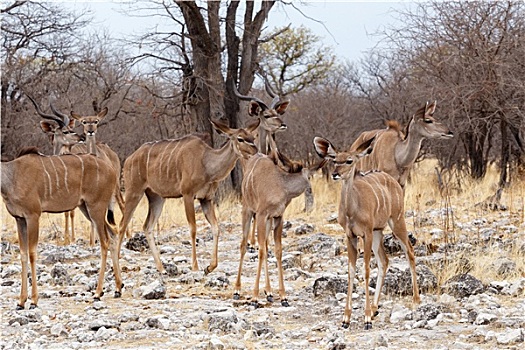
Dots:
pixel 375 195
pixel 81 173
pixel 47 189
pixel 65 174
pixel 98 173
pixel 57 180
pixel 177 145
pixel 147 163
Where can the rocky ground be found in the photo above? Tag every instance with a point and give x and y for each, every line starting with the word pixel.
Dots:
pixel 190 310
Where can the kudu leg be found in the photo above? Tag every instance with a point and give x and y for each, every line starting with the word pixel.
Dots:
pixel 113 248
pixel 246 216
pixel 66 229
pixel 367 254
pixel 209 213
pixel 351 244
pixel 399 231
pixel 277 236
pixel 251 240
pixel 32 240
pixel 72 217
pixel 96 217
pixel 155 205
pixel 263 225
pixel 21 224
pixel 132 201
pixel 190 216
pixel 382 267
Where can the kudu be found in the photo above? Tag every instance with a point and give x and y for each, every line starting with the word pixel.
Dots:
pixel 266 192
pixel 270 123
pixel 33 184
pixel 186 167
pixel 369 202
pixel 90 126
pixel 63 138
pixel 395 153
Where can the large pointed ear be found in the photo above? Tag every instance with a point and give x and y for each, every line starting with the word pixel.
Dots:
pixel 365 146
pixel 252 127
pixel 71 124
pixel 254 109
pixel 76 116
pixel 103 113
pixel 430 108
pixel 324 148
pixel 280 108
pixel 221 128
pixel 48 127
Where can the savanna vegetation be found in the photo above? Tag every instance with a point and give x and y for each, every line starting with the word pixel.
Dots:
pixel 466 55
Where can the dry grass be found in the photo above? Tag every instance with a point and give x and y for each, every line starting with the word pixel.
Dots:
pixel 422 195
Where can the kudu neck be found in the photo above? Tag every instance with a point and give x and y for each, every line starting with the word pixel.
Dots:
pixel 91 144
pixel 220 162
pixel 407 150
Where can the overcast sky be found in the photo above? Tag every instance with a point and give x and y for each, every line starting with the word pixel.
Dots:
pixel 345 25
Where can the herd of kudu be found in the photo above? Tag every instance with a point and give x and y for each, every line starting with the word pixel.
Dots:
pixel 87 174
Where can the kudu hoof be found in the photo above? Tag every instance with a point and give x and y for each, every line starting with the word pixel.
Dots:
pixel 251 249
pixel 32 306
pixel 269 298
pixel 19 307
pixel 96 299
pixel 236 296
pixel 345 325
pixel 255 304
pixel 285 303
pixel 118 294
pixel 375 313
pixel 207 270
pixel 368 326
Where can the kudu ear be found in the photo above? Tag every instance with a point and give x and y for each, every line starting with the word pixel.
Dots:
pixel 430 108
pixel 75 116
pixel 365 146
pixel 48 127
pixel 280 108
pixel 254 109
pixel 103 113
pixel 324 148
pixel 220 127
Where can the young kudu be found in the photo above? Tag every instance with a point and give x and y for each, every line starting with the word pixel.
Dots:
pixel 266 192
pixel 270 123
pixel 395 153
pixel 187 168
pixel 63 138
pixel 33 184
pixel 369 202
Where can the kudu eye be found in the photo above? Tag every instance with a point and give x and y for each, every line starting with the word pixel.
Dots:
pixel 240 139
pixel 428 121
pixel 349 161
pixel 84 122
pixel 95 122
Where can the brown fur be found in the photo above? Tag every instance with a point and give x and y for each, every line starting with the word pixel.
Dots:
pixel 187 168
pixel 34 184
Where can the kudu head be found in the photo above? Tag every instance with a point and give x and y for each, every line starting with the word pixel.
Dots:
pixel 270 116
pixel 345 162
pixel 242 140
pixel 59 128
pixel 425 125
pixel 90 123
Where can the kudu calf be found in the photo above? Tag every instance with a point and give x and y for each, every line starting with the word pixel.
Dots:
pixel 266 192
pixel 369 202
pixel 187 168
pixel 33 184
pixel 396 153
pixel 270 123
